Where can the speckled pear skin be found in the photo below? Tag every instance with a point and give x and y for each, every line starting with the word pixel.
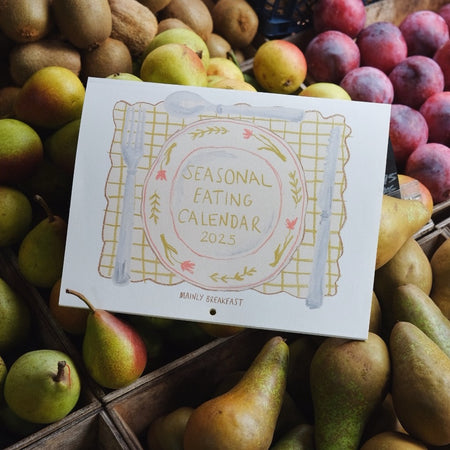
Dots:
pixel 244 417
pixel 349 379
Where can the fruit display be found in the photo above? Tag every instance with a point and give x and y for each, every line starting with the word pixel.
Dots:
pixel 86 375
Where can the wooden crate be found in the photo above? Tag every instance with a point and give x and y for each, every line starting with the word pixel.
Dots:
pixel 44 334
pixel 94 430
pixel 186 382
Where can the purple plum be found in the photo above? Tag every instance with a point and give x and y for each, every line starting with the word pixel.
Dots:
pixel 415 79
pixel 368 84
pixel 430 164
pixel 407 130
pixel 330 55
pixel 442 57
pixel 424 32
pixel 436 110
pixel 347 16
pixel 382 45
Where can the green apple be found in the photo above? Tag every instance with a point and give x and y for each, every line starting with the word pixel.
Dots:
pixel 325 90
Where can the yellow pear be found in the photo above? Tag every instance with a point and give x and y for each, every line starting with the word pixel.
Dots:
pixel 440 265
pixel 400 219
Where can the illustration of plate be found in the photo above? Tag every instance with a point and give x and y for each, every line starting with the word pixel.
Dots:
pixel 223 205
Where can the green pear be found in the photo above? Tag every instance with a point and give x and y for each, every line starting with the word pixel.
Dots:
pixel 42 386
pixel 15 425
pixel 440 266
pixel 21 151
pixel 300 437
pixel 184 36
pixel 113 352
pixel 349 379
pixel 61 146
pixel 3 372
pixel 244 417
pixel 15 215
pixel 420 384
pixel 41 253
pixel 15 318
pixel 375 321
pixel 400 219
pixel 392 440
pixel 410 265
pixel 174 64
pixel 166 432
pixel 411 304
pixel 301 352
pixel 123 76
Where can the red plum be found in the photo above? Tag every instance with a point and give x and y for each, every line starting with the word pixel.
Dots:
pixel 444 11
pixel 442 57
pixel 382 45
pixel 330 55
pixel 347 16
pixel 368 84
pixel 415 79
pixel 436 110
pixel 424 32
pixel 407 130
pixel 430 164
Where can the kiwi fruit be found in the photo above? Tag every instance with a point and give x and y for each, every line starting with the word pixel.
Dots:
pixel 25 20
pixel 111 56
pixel 236 21
pixel 194 13
pixel 25 59
pixel 155 5
pixel 85 23
pixel 133 24
pixel 169 23
pixel 218 46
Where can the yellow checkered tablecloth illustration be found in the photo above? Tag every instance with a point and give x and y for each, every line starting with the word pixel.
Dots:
pixel 308 139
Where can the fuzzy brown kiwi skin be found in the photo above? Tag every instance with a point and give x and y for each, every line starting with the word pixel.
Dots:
pixel 25 59
pixel 24 20
pixel 236 21
pixel 133 24
pixel 111 56
pixel 83 22
pixel 193 13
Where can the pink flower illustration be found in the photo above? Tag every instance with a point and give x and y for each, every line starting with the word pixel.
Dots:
pixel 291 223
pixel 161 175
pixel 247 133
pixel 188 266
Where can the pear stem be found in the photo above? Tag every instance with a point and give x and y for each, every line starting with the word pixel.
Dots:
pixel 82 297
pixel 60 374
pixel 44 205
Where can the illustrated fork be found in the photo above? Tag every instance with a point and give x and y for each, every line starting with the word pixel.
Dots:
pixel 132 147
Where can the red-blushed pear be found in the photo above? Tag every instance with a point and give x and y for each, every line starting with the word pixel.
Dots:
pixel 279 66
pixel 410 185
pixel 114 353
pixel 174 63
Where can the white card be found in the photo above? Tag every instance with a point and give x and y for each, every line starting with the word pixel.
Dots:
pixel 233 207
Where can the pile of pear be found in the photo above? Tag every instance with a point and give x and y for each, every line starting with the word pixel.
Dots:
pixel 388 391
